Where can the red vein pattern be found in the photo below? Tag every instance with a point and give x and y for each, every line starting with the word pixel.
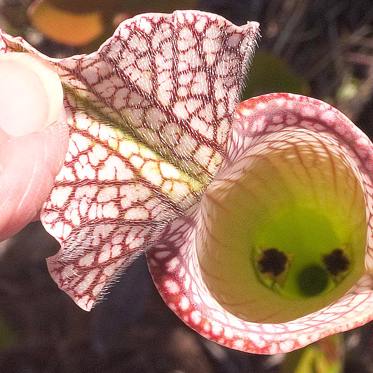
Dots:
pixel 274 121
pixel 149 117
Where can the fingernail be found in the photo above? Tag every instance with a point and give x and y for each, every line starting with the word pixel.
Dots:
pixel 31 94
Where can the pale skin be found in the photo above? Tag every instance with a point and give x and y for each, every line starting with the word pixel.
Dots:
pixel 33 138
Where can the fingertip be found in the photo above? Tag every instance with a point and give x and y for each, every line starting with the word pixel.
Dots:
pixel 33 137
pixel 28 167
pixel 31 94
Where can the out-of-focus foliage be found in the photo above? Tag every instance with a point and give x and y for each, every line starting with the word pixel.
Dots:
pixel 325 356
pixel 159 6
pixel 348 89
pixel 80 22
pixel 7 335
pixel 270 73
pixel 75 23
pixel 65 25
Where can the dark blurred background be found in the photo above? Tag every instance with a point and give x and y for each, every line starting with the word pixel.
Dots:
pixel 321 48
